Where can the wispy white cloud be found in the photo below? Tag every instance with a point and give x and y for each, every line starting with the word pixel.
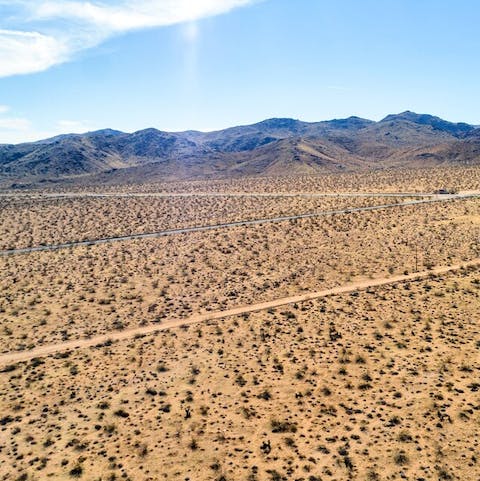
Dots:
pixel 72 126
pixel 128 14
pixel 14 124
pixel 14 130
pixel 26 52
pixel 11 127
pixel 53 31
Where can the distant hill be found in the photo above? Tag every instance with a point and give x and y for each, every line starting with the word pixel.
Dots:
pixel 278 146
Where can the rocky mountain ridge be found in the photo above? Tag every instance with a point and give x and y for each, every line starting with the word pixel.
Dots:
pixel 278 146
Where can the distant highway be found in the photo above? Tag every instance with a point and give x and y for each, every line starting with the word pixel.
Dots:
pixel 187 230
pixel 166 195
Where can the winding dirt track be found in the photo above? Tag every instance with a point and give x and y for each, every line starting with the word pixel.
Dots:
pixel 13 357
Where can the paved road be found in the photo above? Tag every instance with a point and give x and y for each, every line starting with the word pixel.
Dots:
pixel 166 195
pixel 187 230
pixel 19 356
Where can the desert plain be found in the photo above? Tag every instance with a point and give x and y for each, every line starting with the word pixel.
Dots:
pixel 120 376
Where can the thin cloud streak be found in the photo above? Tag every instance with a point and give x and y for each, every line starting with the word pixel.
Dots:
pixel 15 129
pixel 14 124
pixel 19 130
pixel 56 30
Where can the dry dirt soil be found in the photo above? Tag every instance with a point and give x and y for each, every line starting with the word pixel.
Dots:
pixel 382 384
pixel 85 291
pixel 378 385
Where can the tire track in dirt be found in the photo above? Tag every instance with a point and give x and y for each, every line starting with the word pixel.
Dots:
pixel 42 351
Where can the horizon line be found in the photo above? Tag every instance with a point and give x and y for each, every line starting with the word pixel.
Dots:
pixel 212 130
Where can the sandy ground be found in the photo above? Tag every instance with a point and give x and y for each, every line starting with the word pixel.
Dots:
pixel 14 357
pixel 321 349
pixel 376 385
pixel 30 222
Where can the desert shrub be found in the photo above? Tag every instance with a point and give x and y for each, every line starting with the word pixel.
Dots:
pixel 401 458
pixel 76 472
pixel 405 437
pixel 193 444
pixel 283 426
pixel 265 395
pixel 121 413
pixel 161 367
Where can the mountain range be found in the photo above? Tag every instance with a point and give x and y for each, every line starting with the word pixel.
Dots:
pixel 273 147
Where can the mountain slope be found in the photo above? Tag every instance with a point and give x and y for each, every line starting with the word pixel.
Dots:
pixel 277 146
pixel 436 123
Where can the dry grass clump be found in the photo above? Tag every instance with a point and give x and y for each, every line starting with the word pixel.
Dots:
pixel 116 416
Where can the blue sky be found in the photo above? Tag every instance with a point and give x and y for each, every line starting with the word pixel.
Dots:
pixel 73 66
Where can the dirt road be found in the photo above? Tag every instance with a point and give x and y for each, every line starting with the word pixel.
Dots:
pixel 13 357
